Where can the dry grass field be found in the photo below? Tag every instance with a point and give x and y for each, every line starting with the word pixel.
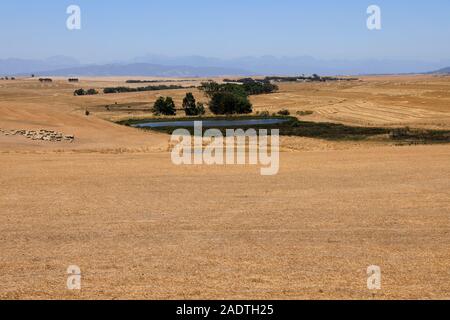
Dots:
pixel 138 226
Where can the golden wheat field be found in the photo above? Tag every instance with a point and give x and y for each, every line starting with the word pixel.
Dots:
pixel 138 226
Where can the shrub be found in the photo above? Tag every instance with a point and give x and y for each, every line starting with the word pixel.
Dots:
pixel 91 92
pixel 82 92
pixel 284 112
pixel 200 109
pixel 264 114
pixel 400 133
pixel 164 106
pixel 229 103
pixel 305 113
pixel 79 92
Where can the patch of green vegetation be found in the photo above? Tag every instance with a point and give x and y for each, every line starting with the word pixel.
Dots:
pixel 319 130
pixel 164 106
pixel 134 121
pixel 247 88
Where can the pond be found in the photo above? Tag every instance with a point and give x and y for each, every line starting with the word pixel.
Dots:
pixel 210 123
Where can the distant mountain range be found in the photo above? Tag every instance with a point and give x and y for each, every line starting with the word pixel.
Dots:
pixel 442 71
pixel 271 65
pixel 198 66
pixel 145 69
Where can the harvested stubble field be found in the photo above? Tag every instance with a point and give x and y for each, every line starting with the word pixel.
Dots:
pixel 138 226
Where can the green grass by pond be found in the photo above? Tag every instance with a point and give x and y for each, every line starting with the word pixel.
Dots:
pixel 321 130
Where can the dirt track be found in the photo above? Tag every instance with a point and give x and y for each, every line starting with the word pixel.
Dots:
pixel 139 227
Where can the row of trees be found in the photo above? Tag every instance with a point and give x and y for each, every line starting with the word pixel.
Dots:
pixel 221 103
pixel 253 86
pixel 228 98
pixel 82 92
pixel 166 106
pixel 140 89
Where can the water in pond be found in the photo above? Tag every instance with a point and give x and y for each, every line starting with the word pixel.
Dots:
pixel 211 123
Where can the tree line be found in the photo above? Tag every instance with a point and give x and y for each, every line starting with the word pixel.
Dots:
pixel 140 89
pixel 223 99
pixel 82 92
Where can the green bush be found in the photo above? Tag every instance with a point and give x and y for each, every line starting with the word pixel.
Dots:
pixel 164 106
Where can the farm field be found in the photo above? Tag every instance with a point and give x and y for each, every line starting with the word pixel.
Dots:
pixel 112 202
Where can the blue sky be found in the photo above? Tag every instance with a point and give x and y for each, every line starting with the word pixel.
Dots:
pixel 327 29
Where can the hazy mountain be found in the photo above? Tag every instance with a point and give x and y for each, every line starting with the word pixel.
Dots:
pixel 442 71
pixel 300 65
pixel 14 66
pixel 191 66
pixel 144 69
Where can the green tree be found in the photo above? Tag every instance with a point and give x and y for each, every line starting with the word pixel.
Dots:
pixel 191 108
pixel 209 88
pixel 164 106
pixel 229 103
pixel 189 105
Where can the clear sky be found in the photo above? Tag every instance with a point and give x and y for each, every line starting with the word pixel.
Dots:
pixel 116 29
